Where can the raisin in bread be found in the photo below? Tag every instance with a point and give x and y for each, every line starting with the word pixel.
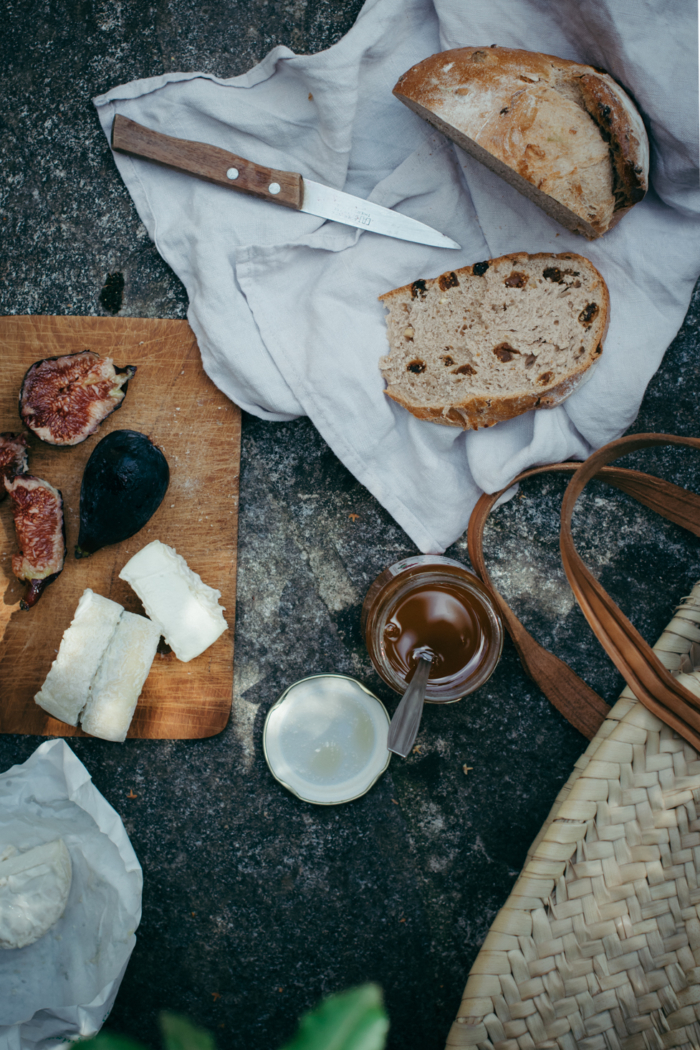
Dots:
pixel 564 134
pixel 478 345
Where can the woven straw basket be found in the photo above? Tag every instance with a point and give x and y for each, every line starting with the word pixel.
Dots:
pixel 598 944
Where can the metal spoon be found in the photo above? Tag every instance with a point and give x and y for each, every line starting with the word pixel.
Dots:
pixel 406 721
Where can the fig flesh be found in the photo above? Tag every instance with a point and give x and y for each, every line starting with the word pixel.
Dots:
pixel 64 399
pixel 13 458
pixel 124 483
pixel 37 508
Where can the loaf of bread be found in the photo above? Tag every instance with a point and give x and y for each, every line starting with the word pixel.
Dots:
pixel 488 342
pixel 565 135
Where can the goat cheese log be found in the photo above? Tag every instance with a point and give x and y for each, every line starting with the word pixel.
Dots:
pixel 120 678
pixel 102 664
pixel 66 688
pixel 185 609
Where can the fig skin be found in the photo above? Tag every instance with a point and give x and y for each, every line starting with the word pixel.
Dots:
pixel 125 480
pixel 13 458
pixel 37 508
pixel 64 399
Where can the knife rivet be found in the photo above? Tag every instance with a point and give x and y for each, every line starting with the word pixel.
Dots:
pixel 232 173
pixel 274 188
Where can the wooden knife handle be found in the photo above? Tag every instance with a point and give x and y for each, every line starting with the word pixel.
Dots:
pixel 208 162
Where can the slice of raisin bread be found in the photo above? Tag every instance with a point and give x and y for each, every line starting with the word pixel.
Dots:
pixel 488 342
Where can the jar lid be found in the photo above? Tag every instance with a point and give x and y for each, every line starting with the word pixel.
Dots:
pixel 325 739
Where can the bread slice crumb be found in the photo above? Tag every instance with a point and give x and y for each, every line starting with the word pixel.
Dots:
pixel 487 342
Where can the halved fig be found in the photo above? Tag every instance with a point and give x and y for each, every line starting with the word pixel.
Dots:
pixel 37 508
pixel 123 485
pixel 64 399
pixel 13 457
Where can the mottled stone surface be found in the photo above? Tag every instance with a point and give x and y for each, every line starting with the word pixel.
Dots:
pixel 256 904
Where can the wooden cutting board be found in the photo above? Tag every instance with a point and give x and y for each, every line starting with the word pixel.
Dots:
pixel 173 401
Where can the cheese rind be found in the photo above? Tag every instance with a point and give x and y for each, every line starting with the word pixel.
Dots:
pixel 66 689
pixel 185 609
pixel 120 678
pixel 34 889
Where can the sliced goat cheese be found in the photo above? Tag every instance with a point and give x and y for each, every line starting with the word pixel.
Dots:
pixel 119 680
pixel 65 691
pixel 34 888
pixel 185 609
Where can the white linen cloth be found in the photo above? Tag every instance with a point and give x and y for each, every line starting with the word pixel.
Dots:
pixel 284 305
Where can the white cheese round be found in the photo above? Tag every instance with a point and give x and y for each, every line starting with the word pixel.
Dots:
pixel 34 888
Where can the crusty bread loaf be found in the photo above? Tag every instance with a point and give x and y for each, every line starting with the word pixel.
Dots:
pixel 478 345
pixel 565 135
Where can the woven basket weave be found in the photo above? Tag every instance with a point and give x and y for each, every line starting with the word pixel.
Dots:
pixel 598 944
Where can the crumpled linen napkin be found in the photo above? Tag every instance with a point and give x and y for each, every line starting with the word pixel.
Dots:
pixel 63 986
pixel 284 305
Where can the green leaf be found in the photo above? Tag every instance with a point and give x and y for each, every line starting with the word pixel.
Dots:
pixel 352 1020
pixel 109 1041
pixel 180 1034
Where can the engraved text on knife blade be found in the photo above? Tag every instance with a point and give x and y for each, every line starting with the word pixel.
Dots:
pixel 333 204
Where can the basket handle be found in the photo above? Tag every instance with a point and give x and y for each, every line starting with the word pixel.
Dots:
pixel 642 670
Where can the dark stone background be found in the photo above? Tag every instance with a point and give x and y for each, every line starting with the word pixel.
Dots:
pixel 256 904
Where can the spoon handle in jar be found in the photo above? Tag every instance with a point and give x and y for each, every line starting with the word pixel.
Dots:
pixel 406 721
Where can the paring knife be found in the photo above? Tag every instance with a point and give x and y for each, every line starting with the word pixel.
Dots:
pixel 280 187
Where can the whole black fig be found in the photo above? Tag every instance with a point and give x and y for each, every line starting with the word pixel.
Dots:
pixel 124 483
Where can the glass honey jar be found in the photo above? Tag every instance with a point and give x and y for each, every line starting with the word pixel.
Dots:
pixel 433 605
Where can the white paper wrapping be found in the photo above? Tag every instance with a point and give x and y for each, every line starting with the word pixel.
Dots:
pixel 284 306
pixel 63 986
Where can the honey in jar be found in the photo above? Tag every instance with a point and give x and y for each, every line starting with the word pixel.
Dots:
pixel 432 605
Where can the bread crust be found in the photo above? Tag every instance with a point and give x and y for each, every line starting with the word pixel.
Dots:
pixel 475 412
pixel 564 134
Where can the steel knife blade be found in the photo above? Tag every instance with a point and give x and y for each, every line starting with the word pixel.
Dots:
pixel 287 188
